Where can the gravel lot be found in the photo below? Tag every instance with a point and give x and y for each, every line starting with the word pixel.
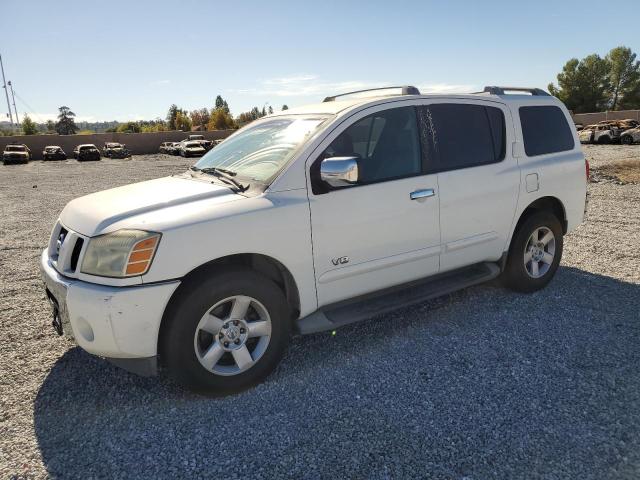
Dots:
pixel 481 384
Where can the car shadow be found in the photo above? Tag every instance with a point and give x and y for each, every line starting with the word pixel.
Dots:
pixel 495 372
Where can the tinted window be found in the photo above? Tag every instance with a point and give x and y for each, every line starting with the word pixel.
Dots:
pixel 461 135
pixel 545 130
pixel 386 142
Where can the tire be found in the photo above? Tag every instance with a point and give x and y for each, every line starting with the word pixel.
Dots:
pixel 521 275
pixel 187 344
pixel 626 140
pixel 604 140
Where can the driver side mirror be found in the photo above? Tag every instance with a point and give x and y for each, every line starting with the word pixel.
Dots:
pixel 339 171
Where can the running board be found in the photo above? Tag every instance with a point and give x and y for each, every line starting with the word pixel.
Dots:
pixel 376 303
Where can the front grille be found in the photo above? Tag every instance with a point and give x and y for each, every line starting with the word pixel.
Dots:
pixel 65 250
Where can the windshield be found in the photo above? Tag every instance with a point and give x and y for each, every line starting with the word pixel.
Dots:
pixel 15 148
pixel 193 145
pixel 260 151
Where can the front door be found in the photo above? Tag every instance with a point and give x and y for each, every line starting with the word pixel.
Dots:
pixel 384 230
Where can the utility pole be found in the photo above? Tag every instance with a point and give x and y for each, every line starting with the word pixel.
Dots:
pixel 4 85
pixel 14 103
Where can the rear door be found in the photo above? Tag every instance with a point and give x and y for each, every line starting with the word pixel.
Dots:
pixel 470 149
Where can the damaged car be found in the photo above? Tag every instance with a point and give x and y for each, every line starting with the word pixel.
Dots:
pixel 192 148
pixel 53 152
pixel 631 136
pixel 115 150
pixel 16 153
pixel 86 152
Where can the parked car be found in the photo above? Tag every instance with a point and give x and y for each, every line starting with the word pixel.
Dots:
pixel 207 145
pixel 115 150
pixel 165 146
pixel 174 148
pixel 86 152
pixel 631 136
pixel 313 218
pixel 16 153
pixel 601 133
pixel 191 148
pixel 53 152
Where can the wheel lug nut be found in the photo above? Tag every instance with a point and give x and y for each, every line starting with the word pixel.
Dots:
pixel 237 341
pixel 242 330
pixel 226 344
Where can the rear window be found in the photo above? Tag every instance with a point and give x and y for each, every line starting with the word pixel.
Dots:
pixel 457 135
pixel 545 130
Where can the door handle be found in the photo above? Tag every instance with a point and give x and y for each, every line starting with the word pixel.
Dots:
pixel 427 192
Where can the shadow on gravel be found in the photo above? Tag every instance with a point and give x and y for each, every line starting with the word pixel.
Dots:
pixel 484 383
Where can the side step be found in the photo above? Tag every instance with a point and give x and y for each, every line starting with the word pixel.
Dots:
pixel 383 301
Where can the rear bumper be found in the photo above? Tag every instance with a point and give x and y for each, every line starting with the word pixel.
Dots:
pixel 119 323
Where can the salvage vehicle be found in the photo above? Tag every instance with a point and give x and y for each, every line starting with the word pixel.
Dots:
pixel 53 152
pixel 313 218
pixel 164 146
pixel 115 150
pixel 207 144
pixel 16 153
pixel 602 134
pixel 191 148
pixel 173 148
pixel 631 136
pixel 86 152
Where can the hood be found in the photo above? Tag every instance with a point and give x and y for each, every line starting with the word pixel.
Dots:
pixel 92 214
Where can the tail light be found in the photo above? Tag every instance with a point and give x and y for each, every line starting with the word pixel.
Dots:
pixel 586 168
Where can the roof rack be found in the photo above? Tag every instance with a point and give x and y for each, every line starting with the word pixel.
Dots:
pixel 405 90
pixel 501 90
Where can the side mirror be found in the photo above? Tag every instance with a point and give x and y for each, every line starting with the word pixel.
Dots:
pixel 339 171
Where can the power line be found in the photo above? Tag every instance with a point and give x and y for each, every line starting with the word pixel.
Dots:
pixel 39 119
pixel 6 92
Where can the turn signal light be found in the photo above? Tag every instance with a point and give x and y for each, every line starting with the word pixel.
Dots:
pixel 141 256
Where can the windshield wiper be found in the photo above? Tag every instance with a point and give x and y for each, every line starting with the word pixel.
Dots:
pixel 224 175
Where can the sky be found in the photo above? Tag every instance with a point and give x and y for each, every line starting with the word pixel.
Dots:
pixel 130 60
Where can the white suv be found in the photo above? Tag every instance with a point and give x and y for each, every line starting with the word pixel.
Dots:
pixel 313 218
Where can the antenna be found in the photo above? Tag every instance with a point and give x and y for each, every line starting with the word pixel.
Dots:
pixel 6 92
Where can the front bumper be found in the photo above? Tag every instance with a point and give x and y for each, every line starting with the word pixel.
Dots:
pixel 119 323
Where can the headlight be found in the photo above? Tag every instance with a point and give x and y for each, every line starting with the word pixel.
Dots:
pixel 125 253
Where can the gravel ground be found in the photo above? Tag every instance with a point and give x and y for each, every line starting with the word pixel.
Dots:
pixel 481 384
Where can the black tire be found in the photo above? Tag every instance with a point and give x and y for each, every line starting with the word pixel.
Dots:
pixel 180 322
pixel 626 140
pixel 605 140
pixel 515 276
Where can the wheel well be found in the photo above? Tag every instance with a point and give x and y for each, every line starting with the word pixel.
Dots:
pixel 550 204
pixel 267 266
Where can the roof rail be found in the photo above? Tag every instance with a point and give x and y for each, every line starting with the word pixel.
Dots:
pixel 405 90
pixel 501 90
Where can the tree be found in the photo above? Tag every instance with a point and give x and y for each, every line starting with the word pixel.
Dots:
pixel 200 118
pixel 129 127
pixel 583 84
pixel 624 74
pixel 171 117
pixel 66 125
pixel 221 120
pixel 285 107
pixel 221 103
pixel 29 127
pixel 270 110
pixel 51 126
pixel 182 121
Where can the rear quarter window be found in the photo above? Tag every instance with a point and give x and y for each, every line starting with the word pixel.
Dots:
pixel 545 130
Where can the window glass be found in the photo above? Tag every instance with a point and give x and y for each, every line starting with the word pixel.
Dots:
pixel 545 130
pixel 462 135
pixel 386 143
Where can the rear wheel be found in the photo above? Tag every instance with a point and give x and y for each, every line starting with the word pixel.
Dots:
pixel 626 140
pixel 226 333
pixel 534 254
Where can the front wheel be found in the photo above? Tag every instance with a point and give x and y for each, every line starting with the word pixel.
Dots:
pixel 534 254
pixel 225 333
